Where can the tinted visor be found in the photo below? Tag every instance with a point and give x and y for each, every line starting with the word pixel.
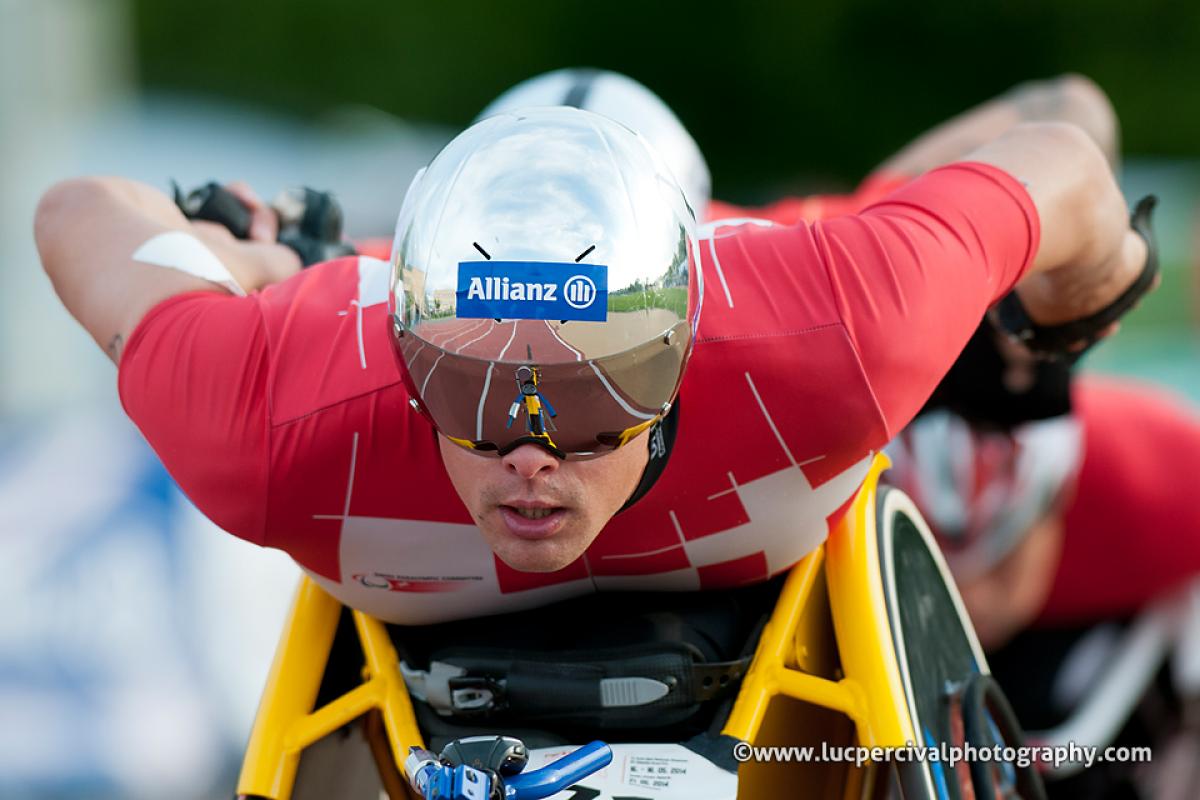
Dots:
pixel 537 385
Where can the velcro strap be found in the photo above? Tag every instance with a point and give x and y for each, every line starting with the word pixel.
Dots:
pixel 476 685
pixel 314 251
pixel 1055 341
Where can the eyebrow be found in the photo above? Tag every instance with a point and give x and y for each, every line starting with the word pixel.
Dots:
pixel 581 256
pixel 484 253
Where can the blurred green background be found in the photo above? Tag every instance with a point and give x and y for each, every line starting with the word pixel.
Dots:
pixel 782 97
pixel 798 94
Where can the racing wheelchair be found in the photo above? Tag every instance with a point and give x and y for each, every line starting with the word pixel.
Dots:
pixel 865 644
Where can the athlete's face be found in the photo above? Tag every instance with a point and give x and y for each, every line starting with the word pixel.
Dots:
pixel 536 512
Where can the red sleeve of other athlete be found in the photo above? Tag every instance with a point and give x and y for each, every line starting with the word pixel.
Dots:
pixel 912 275
pixel 193 378
pixel 1132 529
pixel 810 208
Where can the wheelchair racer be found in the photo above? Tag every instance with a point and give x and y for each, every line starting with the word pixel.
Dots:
pixel 1072 520
pixel 397 483
pixel 1057 501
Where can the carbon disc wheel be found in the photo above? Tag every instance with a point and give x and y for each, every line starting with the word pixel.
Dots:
pixel 952 699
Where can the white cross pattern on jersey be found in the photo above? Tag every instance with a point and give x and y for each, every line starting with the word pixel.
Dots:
pixel 709 231
pixel 372 290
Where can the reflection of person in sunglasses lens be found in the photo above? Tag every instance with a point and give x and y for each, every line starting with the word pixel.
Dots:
pixel 533 401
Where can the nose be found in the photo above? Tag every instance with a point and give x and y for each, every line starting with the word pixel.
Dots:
pixel 530 460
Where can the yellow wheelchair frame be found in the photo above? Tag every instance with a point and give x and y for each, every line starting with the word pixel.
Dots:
pixel 825 670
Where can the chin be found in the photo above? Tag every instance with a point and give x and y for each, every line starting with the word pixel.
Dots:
pixel 545 555
pixel 537 556
pixel 535 563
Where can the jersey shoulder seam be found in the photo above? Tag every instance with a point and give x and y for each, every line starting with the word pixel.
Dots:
pixel 888 433
pixel 262 320
pixel 822 255
pixel 335 403
pixel 768 334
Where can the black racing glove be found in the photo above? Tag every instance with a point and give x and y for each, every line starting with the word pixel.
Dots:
pixel 310 222
pixel 977 387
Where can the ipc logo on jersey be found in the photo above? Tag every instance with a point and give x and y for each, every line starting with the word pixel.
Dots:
pixel 532 290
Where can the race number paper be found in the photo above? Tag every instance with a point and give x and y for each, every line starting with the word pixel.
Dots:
pixel 532 290
pixel 645 772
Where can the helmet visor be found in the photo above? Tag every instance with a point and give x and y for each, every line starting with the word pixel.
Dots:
pixel 484 396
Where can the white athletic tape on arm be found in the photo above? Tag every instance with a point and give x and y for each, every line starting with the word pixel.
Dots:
pixel 184 252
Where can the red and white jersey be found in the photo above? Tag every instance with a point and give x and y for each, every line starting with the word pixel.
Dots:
pixel 283 416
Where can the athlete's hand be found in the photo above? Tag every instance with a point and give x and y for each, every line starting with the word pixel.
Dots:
pixel 305 220
pixel 1086 271
pixel 260 260
pixel 264 222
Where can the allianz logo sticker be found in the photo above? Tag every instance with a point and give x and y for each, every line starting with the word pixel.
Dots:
pixel 532 290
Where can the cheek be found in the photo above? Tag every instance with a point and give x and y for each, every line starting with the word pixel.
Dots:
pixel 609 481
pixel 468 473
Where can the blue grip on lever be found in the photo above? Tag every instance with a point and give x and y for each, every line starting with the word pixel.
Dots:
pixel 560 774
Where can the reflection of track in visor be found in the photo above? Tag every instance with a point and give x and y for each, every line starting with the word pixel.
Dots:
pixel 599 403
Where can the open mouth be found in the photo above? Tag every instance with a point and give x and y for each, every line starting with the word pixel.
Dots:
pixel 536 522
pixel 533 513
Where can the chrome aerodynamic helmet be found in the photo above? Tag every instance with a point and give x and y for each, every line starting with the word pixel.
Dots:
pixel 544 287
pixel 982 490
pixel 623 99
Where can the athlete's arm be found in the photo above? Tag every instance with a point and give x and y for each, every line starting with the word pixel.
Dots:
pixel 88 229
pixel 1088 255
pixel 1067 98
pixel 911 276
pixel 1132 529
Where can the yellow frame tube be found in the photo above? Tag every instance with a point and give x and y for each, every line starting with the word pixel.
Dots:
pixel 286 722
pixel 860 619
pixel 769 674
pixel 383 669
pixel 871 694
